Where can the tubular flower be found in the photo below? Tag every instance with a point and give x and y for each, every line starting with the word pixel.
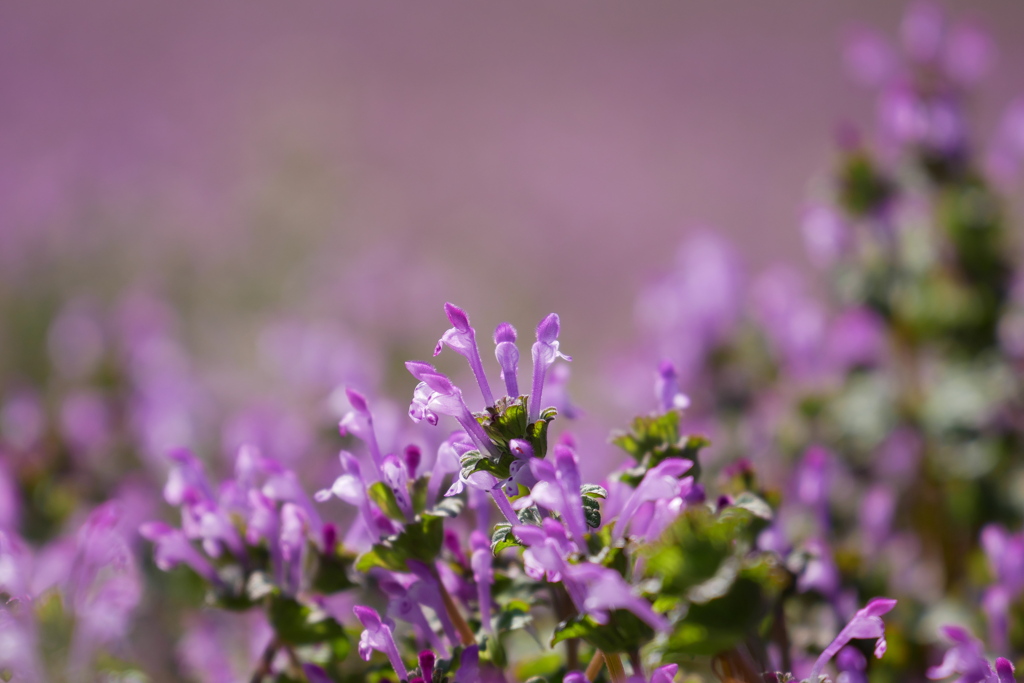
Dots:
pixel 866 623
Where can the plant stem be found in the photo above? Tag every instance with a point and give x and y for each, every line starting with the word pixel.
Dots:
pixel 615 668
pixel 465 632
pixel 595 666
pixel 266 660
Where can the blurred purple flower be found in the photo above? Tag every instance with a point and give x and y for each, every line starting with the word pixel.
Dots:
pixel 867 624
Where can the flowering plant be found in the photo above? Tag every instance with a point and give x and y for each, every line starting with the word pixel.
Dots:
pixel 836 499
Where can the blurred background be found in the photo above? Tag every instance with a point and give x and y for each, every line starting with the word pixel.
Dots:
pixel 212 216
pixel 363 163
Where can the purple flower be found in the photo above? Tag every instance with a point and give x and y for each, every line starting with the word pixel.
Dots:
pixel 427 660
pixel 856 338
pixel 351 488
pixel 1005 670
pixel 217 530
pixel 519 468
pixel 284 487
pixel 436 394
pixel 852 665
pixel 173 548
pixel 665 674
pixel 966 657
pixel 995 602
pixel 448 461
pixel 826 235
pixel 545 352
pixel 404 603
pixel 866 623
pixel 666 389
pixel 377 635
pixel 396 477
pixel 314 674
pixel 469 666
pixel 820 573
pixel 813 481
pixel 696 307
pixel 558 489
pixel 461 338
pixel 483 575
pixel 876 513
pixel 1005 553
pixel 186 482
pixel 793 321
pixel 359 423
pixel 605 591
pixel 547 548
pixel 661 482
pixel 508 357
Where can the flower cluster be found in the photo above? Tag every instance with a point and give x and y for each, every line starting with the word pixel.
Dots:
pixel 837 443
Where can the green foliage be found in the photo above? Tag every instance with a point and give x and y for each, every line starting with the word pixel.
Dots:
pixel 509 419
pixel 296 623
pixel 475 461
pixel 592 512
pixel 863 189
pixel 420 540
pixel 653 438
pixel 709 576
pixel 513 616
pixel 506 420
pixel 504 538
pixel 330 573
pixel 384 498
pixel 624 631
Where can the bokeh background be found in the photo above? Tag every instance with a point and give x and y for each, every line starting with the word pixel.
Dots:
pixel 365 162
pixel 215 215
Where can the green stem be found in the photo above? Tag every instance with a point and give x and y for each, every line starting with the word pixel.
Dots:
pixel 615 668
pixel 465 632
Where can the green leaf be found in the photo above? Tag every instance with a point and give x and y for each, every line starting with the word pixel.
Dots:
pixel 448 507
pixel 330 573
pixel 623 632
pixel 717 625
pixel 420 540
pixel 754 504
pixel 513 616
pixel 693 548
pixel 654 438
pixel 546 667
pixel 299 624
pixel 503 538
pixel 593 491
pixel 537 433
pixel 530 515
pixel 863 187
pixel 474 461
pixel 418 494
pixel 385 499
pixel 592 512
pixel 648 433
pixel 505 420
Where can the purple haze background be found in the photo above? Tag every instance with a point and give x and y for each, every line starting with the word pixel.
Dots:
pixel 515 158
